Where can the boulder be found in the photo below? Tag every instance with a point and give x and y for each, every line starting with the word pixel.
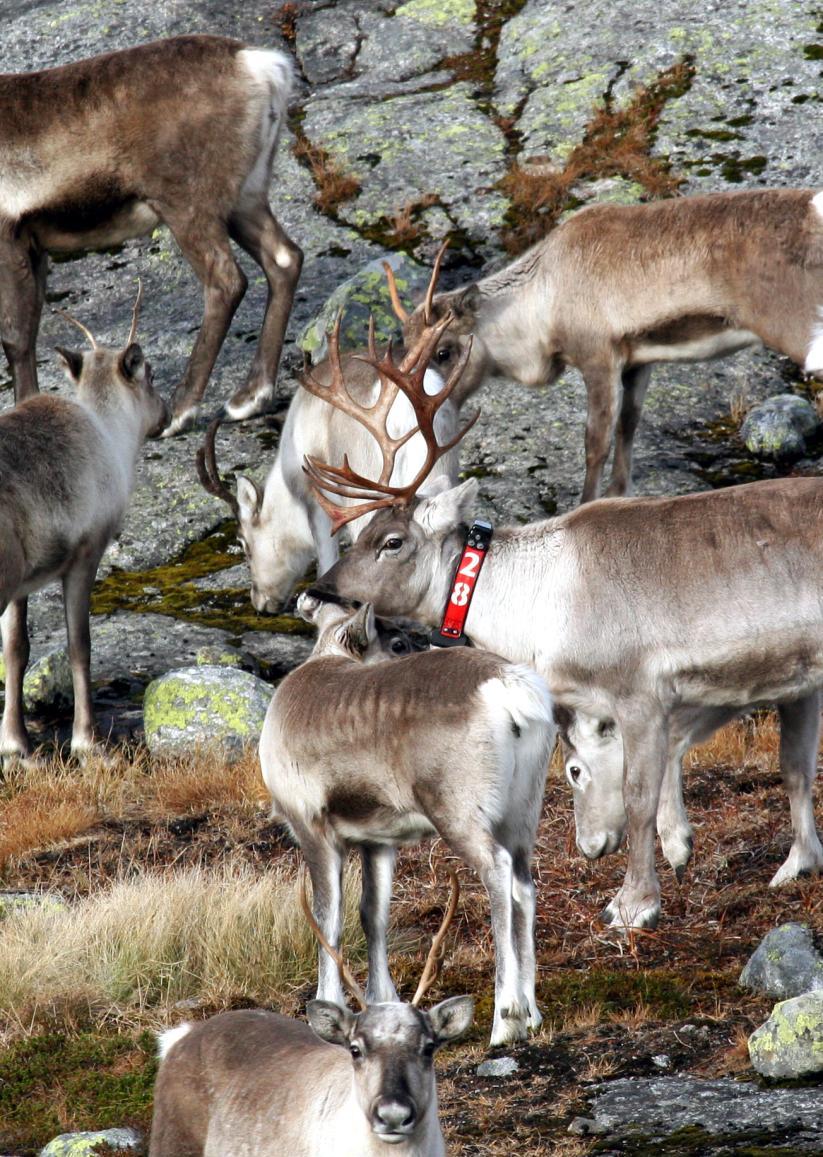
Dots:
pixel 46 683
pixel 363 296
pixel 780 426
pixel 785 963
pixel 497 1067
pixel 87 1144
pixel 204 705
pixel 790 1043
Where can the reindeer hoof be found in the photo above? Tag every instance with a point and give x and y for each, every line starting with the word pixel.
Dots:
pixel 244 405
pixel 180 422
pixel 622 916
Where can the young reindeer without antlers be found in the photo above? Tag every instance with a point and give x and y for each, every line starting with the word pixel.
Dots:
pixel 645 611
pixel 617 288
pixel 283 528
pixel 255 1084
pixel 449 742
pixel 66 476
pixel 181 132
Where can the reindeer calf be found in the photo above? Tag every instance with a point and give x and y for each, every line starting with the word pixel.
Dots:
pixel 66 475
pixel 452 742
pixel 181 132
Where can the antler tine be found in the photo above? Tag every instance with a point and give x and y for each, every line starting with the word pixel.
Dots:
pixel 86 332
pixel 343 968
pixel 434 960
pixel 427 309
pixel 135 313
pixel 208 472
pixel 397 305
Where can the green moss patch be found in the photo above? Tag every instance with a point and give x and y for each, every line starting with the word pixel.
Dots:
pixel 54 1084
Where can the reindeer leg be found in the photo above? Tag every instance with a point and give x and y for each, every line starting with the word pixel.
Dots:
pixel 22 292
pixel 14 739
pixel 378 871
pixel 799 734
pixel 602 391
pixel 644 728
pixel 326 870
pixel 635 384
pixel 77 584
pixel 207 248
pixel 523 895
pixel 256 229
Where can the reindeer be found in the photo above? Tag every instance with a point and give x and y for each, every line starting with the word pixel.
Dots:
pixel 66 475
pixel 616 288
pixel 593 752
pixel 181 131
pixel 454 743
pixel 283 528
pixel 256 1084
pixel 639 610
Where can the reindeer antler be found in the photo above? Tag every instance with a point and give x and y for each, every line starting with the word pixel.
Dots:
pixel 208 472
pixel 407 377
pixel 343 968
pixel 86 332
pixel 431 969
pixel 135 314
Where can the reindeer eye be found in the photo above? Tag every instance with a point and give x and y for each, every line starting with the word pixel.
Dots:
pixel 574 770
pixel 355 1051
pixel 392 544
pixel 399 646
pixel 428 1048
pixel 443 354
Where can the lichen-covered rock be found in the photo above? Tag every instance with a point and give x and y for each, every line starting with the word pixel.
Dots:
pixel 204 705
pixel 790 1043
pixel 46 683
pixel 87 1144
pixel 366 295
pixel 785 963
pixel 16 901
pixel 779 427
pixel 326 45
pixel 216 656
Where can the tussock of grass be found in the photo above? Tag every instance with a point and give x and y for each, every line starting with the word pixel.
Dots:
pixel 129 952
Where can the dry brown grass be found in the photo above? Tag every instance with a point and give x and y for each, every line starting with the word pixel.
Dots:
pixel 129 952
pixel 751 740
pixel 334 184
pixel 617 143
pixel 285 19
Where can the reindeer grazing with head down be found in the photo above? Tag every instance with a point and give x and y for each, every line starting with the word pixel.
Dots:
pixel 373 756
pixel 66 475
pixel 256 1084
pixel 617 288
pixel 181 132
pixel 283 527
pixel 648 612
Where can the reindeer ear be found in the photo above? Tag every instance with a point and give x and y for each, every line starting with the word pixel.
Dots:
pixel 358 631
pixel 466 303
pixel 132 362
pixel 331 1022
pixel 249 498
pixel 72 361
pixel 444 512
pixel 451 1018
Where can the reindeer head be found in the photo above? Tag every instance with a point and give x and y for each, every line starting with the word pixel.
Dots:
pixel 117 381
pixel 593 759
pixel 355 633
pixel 461 307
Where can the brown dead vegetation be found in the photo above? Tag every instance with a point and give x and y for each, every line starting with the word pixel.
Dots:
pixel 617 143
pixel 334 184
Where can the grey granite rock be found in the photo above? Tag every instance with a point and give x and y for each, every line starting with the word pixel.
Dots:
pixel 497 1067
pixel 206 706
pixel 790 1043
pixel 785 963
pixel 88 1143
pixel 780 426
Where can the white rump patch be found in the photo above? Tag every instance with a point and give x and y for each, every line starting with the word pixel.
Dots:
pixel 272 73
pixel 817 201
pixel 166 1040
pixel 814 358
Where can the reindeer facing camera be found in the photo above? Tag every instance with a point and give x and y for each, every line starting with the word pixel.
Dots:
pixel 66 476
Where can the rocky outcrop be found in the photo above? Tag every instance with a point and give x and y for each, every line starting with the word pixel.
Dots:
pixel 89 1143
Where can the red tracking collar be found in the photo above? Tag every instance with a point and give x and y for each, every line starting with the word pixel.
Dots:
pixel 465 579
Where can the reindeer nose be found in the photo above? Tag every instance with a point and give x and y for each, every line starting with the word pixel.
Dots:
pixel 601 844
pixel 393 1116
